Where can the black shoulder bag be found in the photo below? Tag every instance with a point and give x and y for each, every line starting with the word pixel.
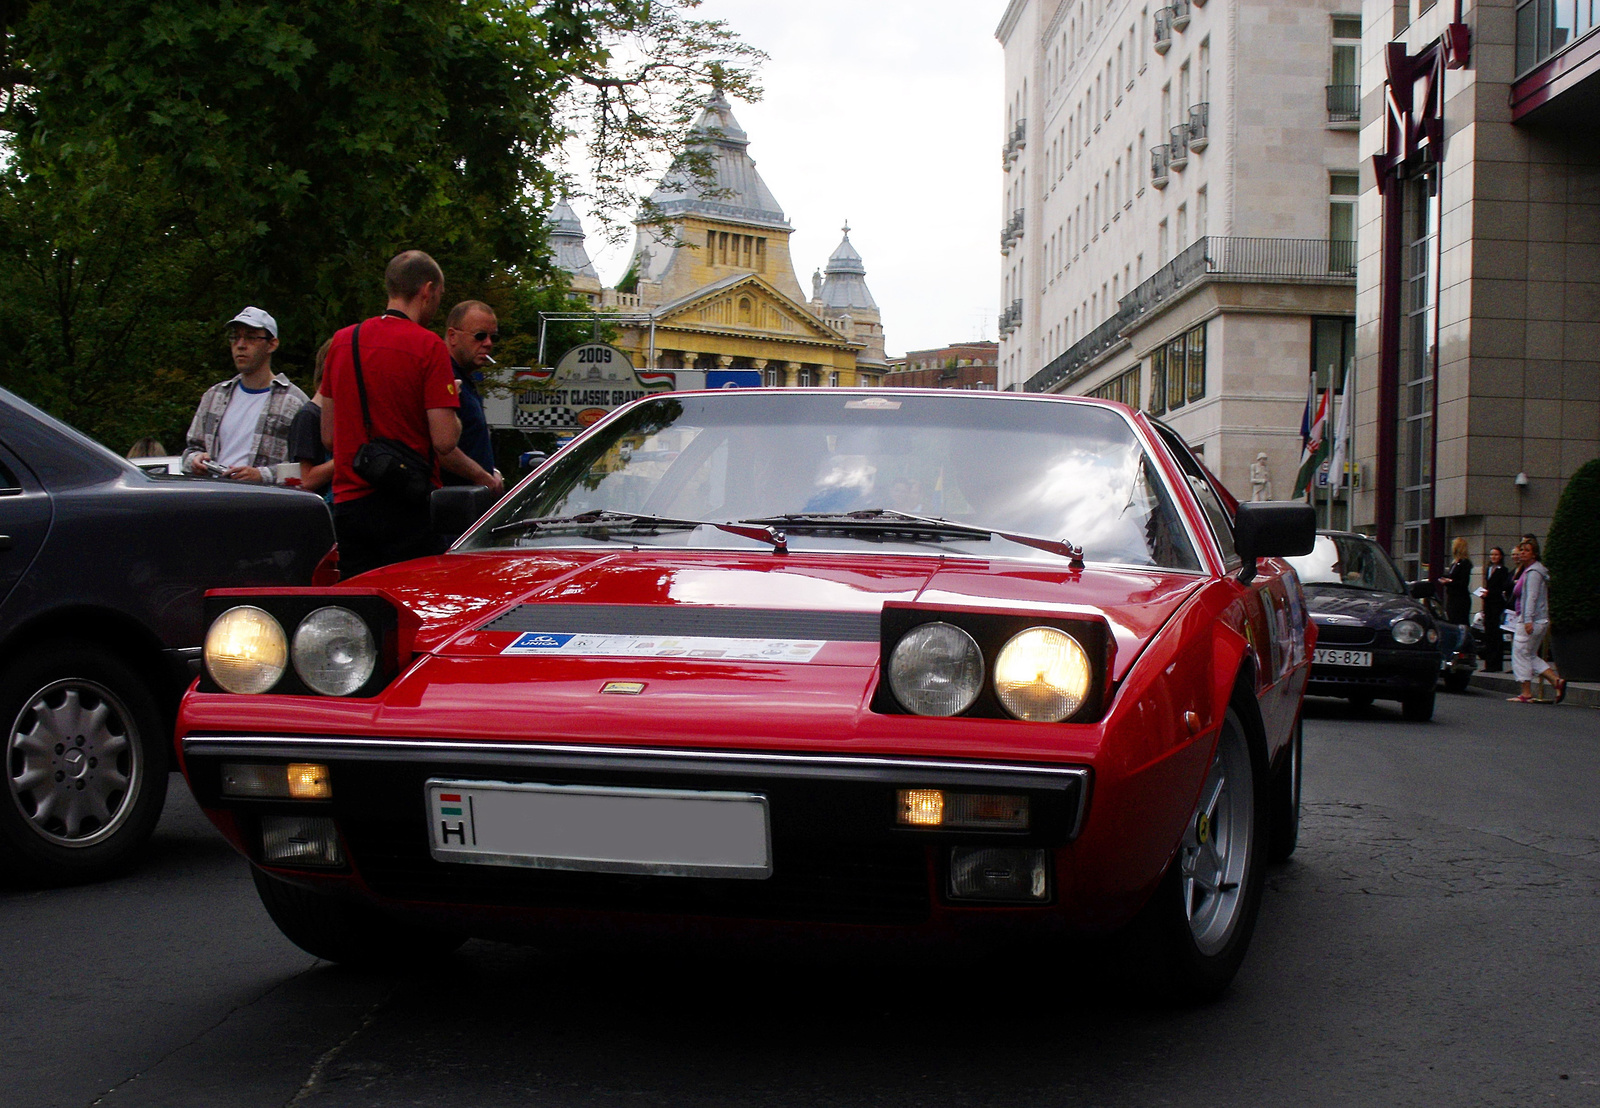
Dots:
pixel 388 465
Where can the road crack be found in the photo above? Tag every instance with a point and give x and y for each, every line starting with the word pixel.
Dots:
pixel 201 1034
pixel 313 1082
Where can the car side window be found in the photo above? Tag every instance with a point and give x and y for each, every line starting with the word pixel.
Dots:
pixel 1210 503
pixel 9 485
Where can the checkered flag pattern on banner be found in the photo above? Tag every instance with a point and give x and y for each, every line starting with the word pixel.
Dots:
pixel 550 419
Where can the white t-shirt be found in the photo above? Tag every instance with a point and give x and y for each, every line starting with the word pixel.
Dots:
pixel 239 420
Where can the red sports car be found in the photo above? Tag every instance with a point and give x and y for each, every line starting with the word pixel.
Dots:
pixel 926 661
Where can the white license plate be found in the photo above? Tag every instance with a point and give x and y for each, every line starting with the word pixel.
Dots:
pixel 674 832
pixel 1323 657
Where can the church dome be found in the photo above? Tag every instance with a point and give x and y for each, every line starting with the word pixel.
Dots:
pixel 844 284
pixel 567 241
pixel 736 190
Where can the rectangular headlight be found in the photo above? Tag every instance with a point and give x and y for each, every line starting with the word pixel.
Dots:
pixel 300 841
pixel 296 781
pixel 962 811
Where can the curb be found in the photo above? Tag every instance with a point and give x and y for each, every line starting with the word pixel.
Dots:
pixel 1585 695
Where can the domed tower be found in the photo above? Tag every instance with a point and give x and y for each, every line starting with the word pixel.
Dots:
pixel 844 294
pixel 729 224
pixel 567 244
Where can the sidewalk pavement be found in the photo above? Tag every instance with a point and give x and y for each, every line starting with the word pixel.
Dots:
pixel 1585 694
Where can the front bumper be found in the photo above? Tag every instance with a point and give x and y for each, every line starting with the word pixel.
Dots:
pixel 838 856
pixel 1393 673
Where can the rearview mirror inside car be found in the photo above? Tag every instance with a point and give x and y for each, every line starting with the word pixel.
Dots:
pixel 1272 530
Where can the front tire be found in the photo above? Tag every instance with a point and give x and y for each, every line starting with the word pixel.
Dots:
pixel 348 932
pixel 1197 927
pixel 86 761
pixel 1418 707
pixel 1286 800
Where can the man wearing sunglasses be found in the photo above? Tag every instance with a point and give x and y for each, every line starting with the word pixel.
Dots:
pixel 470 331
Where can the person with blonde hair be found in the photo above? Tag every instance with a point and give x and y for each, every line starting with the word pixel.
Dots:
pixel 1531 598
pixel 1458 584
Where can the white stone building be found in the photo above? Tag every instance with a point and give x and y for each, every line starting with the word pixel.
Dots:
pixel 1179 212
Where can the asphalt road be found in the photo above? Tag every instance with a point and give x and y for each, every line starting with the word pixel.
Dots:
pixel 1432 943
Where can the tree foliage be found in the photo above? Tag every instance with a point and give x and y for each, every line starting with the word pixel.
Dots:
pixel 166 163
pixel 1570 552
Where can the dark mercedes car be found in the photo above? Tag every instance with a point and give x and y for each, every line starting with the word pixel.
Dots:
pixel 1374 640
pixel 103 571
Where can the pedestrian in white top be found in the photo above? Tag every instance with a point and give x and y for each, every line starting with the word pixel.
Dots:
pixel 1531 597
pixel 241 427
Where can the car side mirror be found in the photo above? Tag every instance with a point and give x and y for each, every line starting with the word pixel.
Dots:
pixel 1420 590
pixel 451 510
pixel 1265 529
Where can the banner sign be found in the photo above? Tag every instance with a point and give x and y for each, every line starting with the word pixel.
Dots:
pixel 585 386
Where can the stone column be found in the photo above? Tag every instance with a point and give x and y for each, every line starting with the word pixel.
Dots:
pixel 724 361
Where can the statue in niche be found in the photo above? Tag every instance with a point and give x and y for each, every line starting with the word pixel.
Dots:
pixel 1260 479
pixel 816 284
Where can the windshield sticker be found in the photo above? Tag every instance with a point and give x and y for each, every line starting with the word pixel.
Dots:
pixel 665 646
pixel 874 404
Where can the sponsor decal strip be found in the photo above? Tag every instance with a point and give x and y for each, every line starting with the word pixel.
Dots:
pixel 665 646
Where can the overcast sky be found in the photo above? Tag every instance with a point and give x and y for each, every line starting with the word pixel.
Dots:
pixel 886 113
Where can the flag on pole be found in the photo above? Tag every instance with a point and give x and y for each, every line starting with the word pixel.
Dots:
pixel 1315 451
pixel 1341 438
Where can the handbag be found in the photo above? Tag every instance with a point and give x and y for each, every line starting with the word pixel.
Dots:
pixel 388 465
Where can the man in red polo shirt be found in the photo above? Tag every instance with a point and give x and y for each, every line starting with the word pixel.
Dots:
pixel 412 396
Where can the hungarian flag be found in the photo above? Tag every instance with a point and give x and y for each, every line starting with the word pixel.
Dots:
pixel 1314 431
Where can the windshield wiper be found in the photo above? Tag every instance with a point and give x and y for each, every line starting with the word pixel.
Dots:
pixel 891 521
pixel 608 518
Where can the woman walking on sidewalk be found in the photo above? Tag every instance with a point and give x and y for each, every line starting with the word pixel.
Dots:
pixel 1531 597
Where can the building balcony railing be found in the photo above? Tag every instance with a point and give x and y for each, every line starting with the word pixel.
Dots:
pixel 1015 143
pixel 1303 260
pixel 1178 147
pixel 1159 158
pixel 1180 14
pixel 1011 318
pixel 1344 103
pixel 1163 30
pixel 1011 232
pixel 1199 127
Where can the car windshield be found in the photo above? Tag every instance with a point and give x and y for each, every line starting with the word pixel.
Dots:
pixel 1351 561
pixel 1073 472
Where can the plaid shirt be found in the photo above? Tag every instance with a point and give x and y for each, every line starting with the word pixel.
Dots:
pixel 268 447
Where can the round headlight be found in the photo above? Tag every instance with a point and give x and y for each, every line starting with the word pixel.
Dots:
pixel 936 670
pixel 334 652
pixel 1042 675
pixel 1407 631
pixel 246 650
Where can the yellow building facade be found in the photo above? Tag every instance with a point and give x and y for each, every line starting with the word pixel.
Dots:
pixel 711 283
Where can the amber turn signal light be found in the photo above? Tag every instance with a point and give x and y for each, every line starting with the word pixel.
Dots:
pixel 962 811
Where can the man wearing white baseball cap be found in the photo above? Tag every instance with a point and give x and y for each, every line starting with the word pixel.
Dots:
pixel 241 429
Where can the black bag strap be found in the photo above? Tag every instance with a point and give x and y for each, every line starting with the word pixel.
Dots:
pixel 361 383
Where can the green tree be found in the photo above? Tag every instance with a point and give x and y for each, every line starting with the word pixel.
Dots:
pixel 1570 553
pixel 166 163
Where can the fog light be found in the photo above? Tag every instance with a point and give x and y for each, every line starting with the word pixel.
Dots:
pixel 296 781
pixel 300 840
pixel 987 873
pixel 962 811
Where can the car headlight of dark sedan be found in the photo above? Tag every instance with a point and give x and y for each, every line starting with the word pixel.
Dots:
pixel 1408 632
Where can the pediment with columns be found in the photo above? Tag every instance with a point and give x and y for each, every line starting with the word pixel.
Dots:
pixel 748 305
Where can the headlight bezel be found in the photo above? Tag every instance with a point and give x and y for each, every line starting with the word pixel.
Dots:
pixel 992 630
pixel 1412 621
pixel 392 629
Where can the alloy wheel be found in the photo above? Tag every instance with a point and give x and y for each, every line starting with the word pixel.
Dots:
pixel 1215 853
